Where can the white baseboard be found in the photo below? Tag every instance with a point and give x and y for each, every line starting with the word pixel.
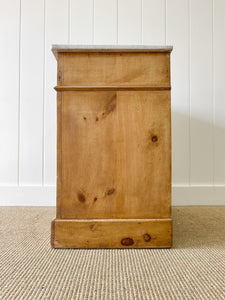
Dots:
pixel 27 195
pixel 198 195
pixel 46 195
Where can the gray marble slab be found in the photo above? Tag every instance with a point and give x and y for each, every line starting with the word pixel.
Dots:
pixel 110 48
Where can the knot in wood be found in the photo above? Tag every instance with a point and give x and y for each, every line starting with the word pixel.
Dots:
pixel 147 237
pixel 127 241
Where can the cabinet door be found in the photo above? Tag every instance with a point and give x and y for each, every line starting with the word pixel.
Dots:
pixel 116 154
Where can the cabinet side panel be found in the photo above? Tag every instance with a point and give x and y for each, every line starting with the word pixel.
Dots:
pixel 89 154
pixel 144 154
pixel 116 159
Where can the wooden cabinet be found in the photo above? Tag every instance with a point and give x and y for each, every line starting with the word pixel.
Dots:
pixel 113 147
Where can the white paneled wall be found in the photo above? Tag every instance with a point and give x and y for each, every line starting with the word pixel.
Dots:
pixel 196 29
pixel 178 35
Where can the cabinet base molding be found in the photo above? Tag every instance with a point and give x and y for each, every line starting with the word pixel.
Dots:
pixel 111 233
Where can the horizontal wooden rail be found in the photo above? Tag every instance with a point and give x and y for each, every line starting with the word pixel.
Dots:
pixel 107 88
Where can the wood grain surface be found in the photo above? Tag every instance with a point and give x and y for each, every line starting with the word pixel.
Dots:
pixel 116 69
pixel 112 233
pixel 116 154
pixel 113 151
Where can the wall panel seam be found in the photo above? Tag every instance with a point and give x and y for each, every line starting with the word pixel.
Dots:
pixel 141 21
pixel 189 76
pixel 19 95
pixel 43 100
pixel 213 97
pixel 117 21
pixel 69 23
pixel 165 22
pixel 93 21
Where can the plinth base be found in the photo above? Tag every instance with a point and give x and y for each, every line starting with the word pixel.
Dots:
pixel 111 233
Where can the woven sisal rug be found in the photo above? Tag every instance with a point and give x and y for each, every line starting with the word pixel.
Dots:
pixel 193 269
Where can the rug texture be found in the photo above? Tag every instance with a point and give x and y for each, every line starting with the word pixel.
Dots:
pixel 193 269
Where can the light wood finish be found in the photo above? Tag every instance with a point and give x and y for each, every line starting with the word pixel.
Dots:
pixel 114 150
pixel 110 87
pixel 138 233
pixel 123 69
pixel 115 160
pixel 59 154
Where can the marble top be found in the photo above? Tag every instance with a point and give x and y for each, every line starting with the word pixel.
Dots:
pixel 110 48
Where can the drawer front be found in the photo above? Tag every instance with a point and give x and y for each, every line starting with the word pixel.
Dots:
pixel 114 69
pixel 116 156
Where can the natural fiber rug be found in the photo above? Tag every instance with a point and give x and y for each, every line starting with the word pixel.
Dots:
pixel 193 269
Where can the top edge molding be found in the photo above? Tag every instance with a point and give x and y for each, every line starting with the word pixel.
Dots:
pixel 110 48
